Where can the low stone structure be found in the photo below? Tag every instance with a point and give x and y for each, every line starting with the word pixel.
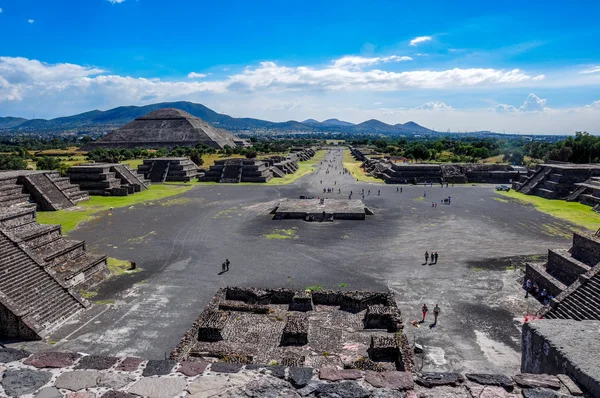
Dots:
pixel 234 170
pixel 564 347
pixel 564 267
pixel 238 170
pixel 567 181
pixel 58 374
pixel 317 210
pixel 393 172
pixel 289 333
pixel 168 169
pixel 47 189
pixel 107 179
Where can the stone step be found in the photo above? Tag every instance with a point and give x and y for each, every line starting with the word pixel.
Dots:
pixel 586 299
pixel 7 190
pixel 61 250
pixel 34 234
pixel 77 265
pixel 14 199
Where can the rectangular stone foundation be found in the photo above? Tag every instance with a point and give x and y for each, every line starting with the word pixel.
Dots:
pixel 295 331
pixel 211 326
pixel 339 209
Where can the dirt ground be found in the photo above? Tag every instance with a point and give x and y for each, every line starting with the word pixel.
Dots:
pixel 181 242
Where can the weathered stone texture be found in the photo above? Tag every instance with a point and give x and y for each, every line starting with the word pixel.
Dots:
pixel 23 381
pixel 158 387
pixel 393 379
pixel 96 362
pixel 78 380
pixel 51 359
pixel 158 368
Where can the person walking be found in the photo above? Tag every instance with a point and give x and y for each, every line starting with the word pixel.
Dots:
pixel 426 256
pixel 527 286
pixel 227 264
pixel 424 309
pixel 436 313
pixel 435 256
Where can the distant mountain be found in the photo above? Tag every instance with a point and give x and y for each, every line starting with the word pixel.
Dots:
pixel 336 122
pixel 113 118
pixel 9 122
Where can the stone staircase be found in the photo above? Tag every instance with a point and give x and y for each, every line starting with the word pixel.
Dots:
pixel 580 302
pixel 564 268
pixel 277 173
pixel 534 180
pixel 46 193
pixel 232 173
pixel 123 172
pixel 32 302
pixel 12 194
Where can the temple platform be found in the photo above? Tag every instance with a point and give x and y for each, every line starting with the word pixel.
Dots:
pixel 315 210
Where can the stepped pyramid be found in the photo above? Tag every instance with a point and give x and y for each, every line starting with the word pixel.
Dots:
pixel 168 128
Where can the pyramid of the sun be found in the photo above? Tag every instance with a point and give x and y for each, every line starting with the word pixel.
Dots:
pixel 167 127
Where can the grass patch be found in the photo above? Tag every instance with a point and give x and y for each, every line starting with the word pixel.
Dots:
pixel 87 211
pixel 87 294
pixel 226 213
pixel 141 238
pixel 419 199
pixel 291 233
pixel 502 200
pixel 476 269
pixel 314 288
pixel 120 267
pixel 574 212
pixel 343 285
pixel 353 166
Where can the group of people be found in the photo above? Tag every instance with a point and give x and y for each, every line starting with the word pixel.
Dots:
pixel 537 292
pixel 436 313
pixel 434 257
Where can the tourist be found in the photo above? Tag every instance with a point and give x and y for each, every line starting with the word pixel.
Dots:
pixel 436 313
pixel 424 309
pixel 432 204
pixel 397 189
pixel 424 194
pixel 426 256
pixel 527 287
pixel 400 189
pixel 536 289
pixel 435 255
pixel 543 295
pixel 369 193
pixel 378 192
pixel 227 264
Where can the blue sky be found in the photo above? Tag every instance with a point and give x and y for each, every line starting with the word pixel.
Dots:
pixel 515 66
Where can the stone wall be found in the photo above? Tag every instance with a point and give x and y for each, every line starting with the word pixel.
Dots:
pixel 586 249
pixel 76 375
pixel 563 347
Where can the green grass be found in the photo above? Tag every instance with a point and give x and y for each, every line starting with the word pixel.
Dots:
pixel 87 294
pixel 120 267
pixel 419 199
pixel 87 211
pixel 353 166
pixel 314 288
pixel 574 212
pixel 343 285
pixel 133 163
pixel 291 233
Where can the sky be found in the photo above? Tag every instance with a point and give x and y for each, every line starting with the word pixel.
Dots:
pixel 513 66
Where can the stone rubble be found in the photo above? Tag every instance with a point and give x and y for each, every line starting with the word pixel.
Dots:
pixel 60 375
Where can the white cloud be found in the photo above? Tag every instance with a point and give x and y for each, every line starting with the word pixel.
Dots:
pixel 420 39
pixel 194 75
pixel 30 20
pixel 434 106
pixel 116 1
pixel 593 69
pixel 539 77
pixel 504 108
pixel 0 10
pixel 594 105
pixel 533 103
pixel 357 62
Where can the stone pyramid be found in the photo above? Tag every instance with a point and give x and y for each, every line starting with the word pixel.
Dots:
pixel 167 127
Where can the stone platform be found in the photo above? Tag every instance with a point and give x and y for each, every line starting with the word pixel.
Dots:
pixel 330 209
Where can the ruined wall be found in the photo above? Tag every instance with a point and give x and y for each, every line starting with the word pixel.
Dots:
pixel 586 249
pixel 562 346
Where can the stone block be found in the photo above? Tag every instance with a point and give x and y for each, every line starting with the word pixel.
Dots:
pixel 114 380
pixel 24 381
pixel 300 376
pixel 96 362
pixel 10 355
pixel 530 380
pixel 118 394
pixel 435 379
pixel 348 389
pixel 158 368
pixel 130 364
pixel 81 394
pixel 224 367
pixel 192 368
pixel 51 359
pixel 570 385
pixel 333 374
pixel 48 392
pixel 491 380
pixel 393 379
pixel 490 392
pixel 78 380
pixel 159 387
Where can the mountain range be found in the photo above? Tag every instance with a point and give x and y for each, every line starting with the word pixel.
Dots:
pixel 117 117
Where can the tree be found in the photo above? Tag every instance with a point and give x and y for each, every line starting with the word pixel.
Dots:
pixel 514 155
pixel 196 157
pixel 48 163
pixel 12 163
pixel 251 154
